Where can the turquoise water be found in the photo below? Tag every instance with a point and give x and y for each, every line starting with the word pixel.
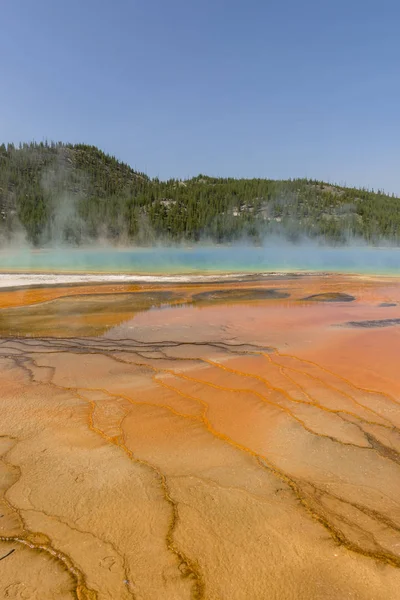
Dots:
pixel 206 259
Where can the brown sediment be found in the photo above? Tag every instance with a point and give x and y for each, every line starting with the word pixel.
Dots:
pixel 373 323
pixel 239 446
pixel 330 297
pixel 239 295
pixel 10 297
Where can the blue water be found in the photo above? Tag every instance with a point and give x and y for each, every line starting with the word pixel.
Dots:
pixel 206 259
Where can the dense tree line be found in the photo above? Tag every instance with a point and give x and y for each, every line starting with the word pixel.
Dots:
pixel 77 193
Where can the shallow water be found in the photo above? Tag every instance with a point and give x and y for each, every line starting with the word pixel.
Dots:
pixel 201 441
pixel 206 259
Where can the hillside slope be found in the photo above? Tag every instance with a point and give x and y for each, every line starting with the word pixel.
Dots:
pixel 77 193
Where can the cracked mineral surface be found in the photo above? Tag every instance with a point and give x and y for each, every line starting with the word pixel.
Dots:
pixel 210 441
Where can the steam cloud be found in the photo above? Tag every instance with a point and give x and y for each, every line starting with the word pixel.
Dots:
pixel 65 188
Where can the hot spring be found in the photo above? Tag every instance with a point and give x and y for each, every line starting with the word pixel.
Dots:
pixel 205 259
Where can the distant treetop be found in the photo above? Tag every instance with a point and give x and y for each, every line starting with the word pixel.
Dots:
pixel 76 193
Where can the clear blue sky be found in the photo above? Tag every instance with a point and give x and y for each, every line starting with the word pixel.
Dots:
pixel 282 88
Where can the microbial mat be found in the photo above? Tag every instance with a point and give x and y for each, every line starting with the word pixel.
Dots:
pixel 217 441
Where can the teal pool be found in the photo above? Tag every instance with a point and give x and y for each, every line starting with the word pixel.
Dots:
pixel 205 259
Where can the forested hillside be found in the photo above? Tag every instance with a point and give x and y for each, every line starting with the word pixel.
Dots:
pixel 54 192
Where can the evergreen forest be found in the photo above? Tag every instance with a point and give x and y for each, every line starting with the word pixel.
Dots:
pixel 76 194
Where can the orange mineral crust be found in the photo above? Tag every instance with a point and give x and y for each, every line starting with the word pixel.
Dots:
pixel 204 441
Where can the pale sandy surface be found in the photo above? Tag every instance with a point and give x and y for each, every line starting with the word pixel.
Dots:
pixel 19 279
pixel 28 279
pixel 225 450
